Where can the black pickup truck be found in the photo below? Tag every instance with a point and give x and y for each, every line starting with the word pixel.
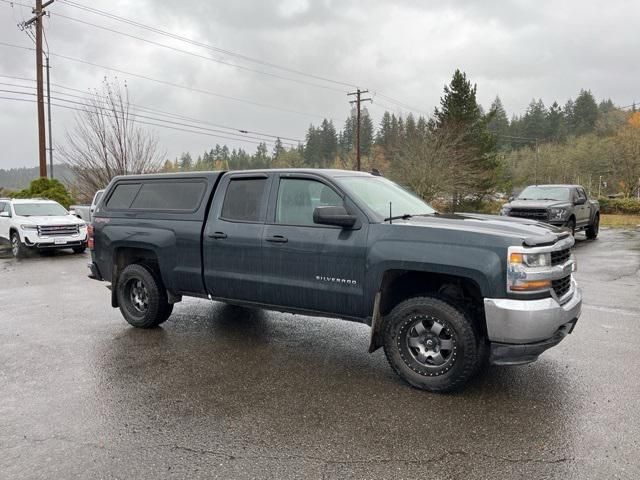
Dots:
pixel 443 294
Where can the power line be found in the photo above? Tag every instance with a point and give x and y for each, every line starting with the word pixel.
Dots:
pixel 174 36
pixel 158 31
pixel 193 54
pixel 242 131
pixel 145 123
pixel 171 84
pixel 86 107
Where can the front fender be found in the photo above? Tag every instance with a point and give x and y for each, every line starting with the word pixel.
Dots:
pixel 482 265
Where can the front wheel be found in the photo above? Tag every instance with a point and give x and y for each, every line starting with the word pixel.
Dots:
pixel 592 230
pixel 18 249
pixel 142 297
pixel 431 344
pixel 571 226
pixel 80 249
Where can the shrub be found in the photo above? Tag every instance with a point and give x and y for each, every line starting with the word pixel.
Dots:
pixel 50 189
pixel 625 206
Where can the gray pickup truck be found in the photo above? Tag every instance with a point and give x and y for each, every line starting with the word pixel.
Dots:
pixel 443 294
pixel 561 205
pixel 85 212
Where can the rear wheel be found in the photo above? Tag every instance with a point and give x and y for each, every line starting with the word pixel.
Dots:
pixel 592 230
pixel 142 297
pixel 431 344
pixel 18 249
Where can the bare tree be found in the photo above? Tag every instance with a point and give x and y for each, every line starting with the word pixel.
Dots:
pixel 106 141
pixel 440 165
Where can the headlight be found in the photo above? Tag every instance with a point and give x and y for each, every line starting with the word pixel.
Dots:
pixel 504 211
pixel 522 269
pixel 557 213
pixel 531 259
pixel 28 227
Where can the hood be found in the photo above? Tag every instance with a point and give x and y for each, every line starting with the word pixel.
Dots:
pixel 520 231
pixel 53 220
pixel 537 203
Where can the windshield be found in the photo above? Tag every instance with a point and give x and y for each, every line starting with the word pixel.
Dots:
pixel 39 209
pixel 545 193
pixel 377 192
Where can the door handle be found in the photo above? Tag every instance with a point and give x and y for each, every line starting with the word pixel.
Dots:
pixel 277 239
pixel 218 235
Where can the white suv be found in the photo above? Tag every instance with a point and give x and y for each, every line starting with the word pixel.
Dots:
pixel 40 224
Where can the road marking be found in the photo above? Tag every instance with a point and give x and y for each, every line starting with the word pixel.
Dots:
pixel 621 311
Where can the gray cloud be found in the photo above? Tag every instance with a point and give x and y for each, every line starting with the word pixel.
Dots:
pixel 406 49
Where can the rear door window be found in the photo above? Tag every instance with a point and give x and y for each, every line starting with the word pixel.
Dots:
pixel 245 200
pixel 181 195
pixel 123 195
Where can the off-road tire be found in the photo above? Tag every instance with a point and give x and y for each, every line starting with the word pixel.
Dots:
pixel 594 228
pixel 463 355
pixel 18 249
pixel 147 306
pixel 571 226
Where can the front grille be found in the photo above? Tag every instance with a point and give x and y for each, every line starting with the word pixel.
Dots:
pixel 561 256
pixel 532 213
pixel 561 286
pixel 57 230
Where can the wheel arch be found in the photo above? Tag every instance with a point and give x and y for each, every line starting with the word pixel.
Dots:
pixel 398 285
pixel 123 256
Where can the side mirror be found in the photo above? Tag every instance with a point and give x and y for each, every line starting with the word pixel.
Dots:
pixel 580 201
pixel 511 198
pixel 337 216
pixel 5 215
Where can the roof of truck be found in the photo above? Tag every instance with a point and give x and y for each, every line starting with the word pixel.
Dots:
pixel 216 173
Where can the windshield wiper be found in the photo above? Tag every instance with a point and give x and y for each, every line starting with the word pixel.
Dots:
pixel 398 217
pixel 407 216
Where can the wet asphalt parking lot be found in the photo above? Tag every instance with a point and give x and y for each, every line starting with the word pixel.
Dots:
pixel 225 392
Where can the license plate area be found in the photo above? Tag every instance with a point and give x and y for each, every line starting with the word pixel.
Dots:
pixel 59 241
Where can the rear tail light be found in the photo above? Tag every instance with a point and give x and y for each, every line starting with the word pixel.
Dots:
pixel 90 241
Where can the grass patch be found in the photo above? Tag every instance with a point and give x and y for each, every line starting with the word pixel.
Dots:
pixel 620 221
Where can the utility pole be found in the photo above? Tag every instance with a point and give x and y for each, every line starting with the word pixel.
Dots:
pixel 37 19
pixel 49 120
pixel 536 166
pixel 357 101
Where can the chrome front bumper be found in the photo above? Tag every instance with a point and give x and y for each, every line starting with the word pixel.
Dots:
pixel 530 321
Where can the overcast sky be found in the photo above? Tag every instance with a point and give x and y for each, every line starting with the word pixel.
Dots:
pixel 403 49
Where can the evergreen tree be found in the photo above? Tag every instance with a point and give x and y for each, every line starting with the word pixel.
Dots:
pixel 383 136
pixel 606 106
pixel 556 124
pixel 186 163
pixel 278 150
pixel 461 118
pixel 313 147
pixel 261 158
pixel 329 143
pixel 499 122
pixel 585 113
pixel 569 116
pixel 535 120
pixel 458 106
pixel 347 138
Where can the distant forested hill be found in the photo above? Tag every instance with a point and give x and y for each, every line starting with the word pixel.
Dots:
pixel 19 178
